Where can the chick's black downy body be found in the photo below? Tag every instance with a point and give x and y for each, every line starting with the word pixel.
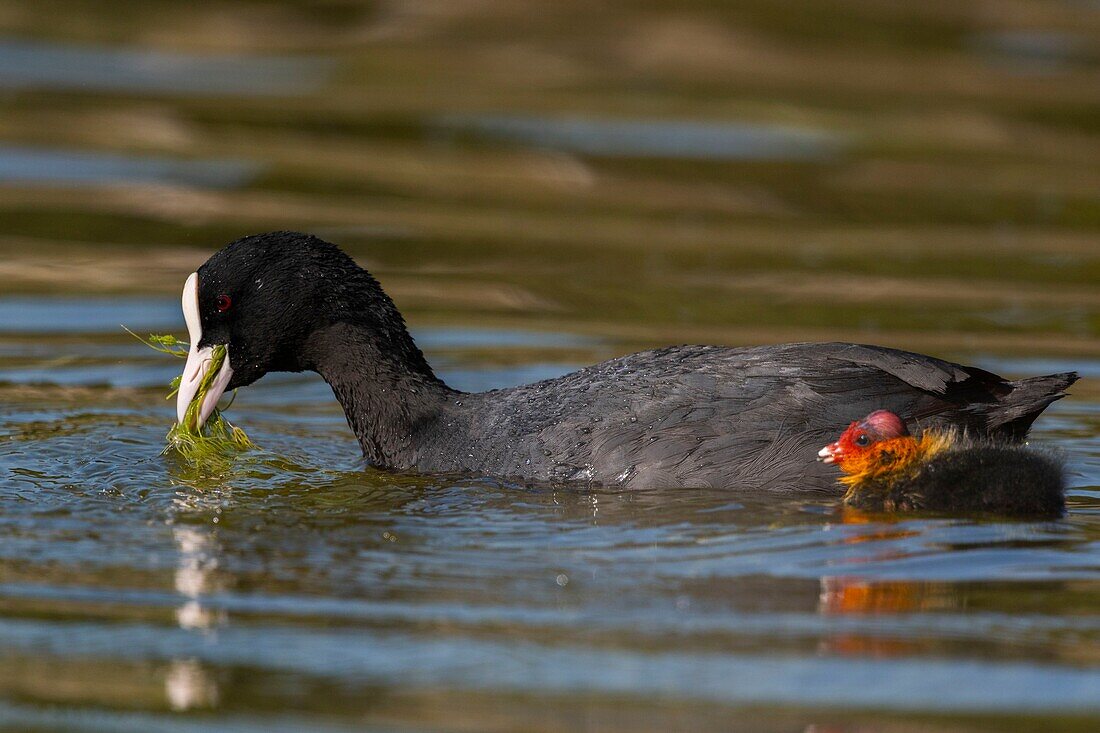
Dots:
pixel 974 477
pixel 681 416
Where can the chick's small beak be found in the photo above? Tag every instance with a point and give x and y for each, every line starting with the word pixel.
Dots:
pixel 199 362
pixel 829 453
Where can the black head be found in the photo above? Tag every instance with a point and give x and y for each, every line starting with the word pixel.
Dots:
pixel 265 297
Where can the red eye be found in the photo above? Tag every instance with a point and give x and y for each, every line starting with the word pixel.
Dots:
pixel 222 303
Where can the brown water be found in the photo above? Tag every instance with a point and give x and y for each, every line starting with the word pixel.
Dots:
pixel 539 186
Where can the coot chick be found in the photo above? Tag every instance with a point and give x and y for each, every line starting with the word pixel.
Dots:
pixel 700 416
pixel 944 470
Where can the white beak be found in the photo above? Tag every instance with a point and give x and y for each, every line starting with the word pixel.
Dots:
pixel 828 453
pixel 198 361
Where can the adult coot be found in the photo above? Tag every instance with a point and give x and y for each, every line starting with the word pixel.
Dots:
pixel 681 416
pixel 944 470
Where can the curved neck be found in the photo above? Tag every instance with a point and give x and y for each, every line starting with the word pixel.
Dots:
pixel 389 394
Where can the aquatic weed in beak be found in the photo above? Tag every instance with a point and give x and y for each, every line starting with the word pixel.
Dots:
pixel 217 437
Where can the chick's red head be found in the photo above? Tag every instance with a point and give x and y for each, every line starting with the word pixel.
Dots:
pixel 861 435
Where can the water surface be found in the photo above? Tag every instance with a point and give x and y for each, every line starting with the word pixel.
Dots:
pixel 25 63
pixel 538 189
pixel 296 578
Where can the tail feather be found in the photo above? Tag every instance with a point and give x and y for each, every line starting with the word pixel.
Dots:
pixel 1027 400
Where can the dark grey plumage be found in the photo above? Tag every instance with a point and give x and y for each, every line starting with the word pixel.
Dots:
pixel 708 416
pixel 702 416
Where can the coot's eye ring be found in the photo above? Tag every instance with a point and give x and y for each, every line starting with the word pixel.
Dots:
pixel 863 440
pixel 223 303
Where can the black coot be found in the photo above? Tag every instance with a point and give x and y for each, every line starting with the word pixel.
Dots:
pixel 701 416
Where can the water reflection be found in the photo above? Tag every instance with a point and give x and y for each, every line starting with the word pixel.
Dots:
pixel 188 685
pixel 1034 51
pixel 52 315
pixel 25 63
pixel 51 167
pixel 844 595
pixel 195 576
pixel 653 138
